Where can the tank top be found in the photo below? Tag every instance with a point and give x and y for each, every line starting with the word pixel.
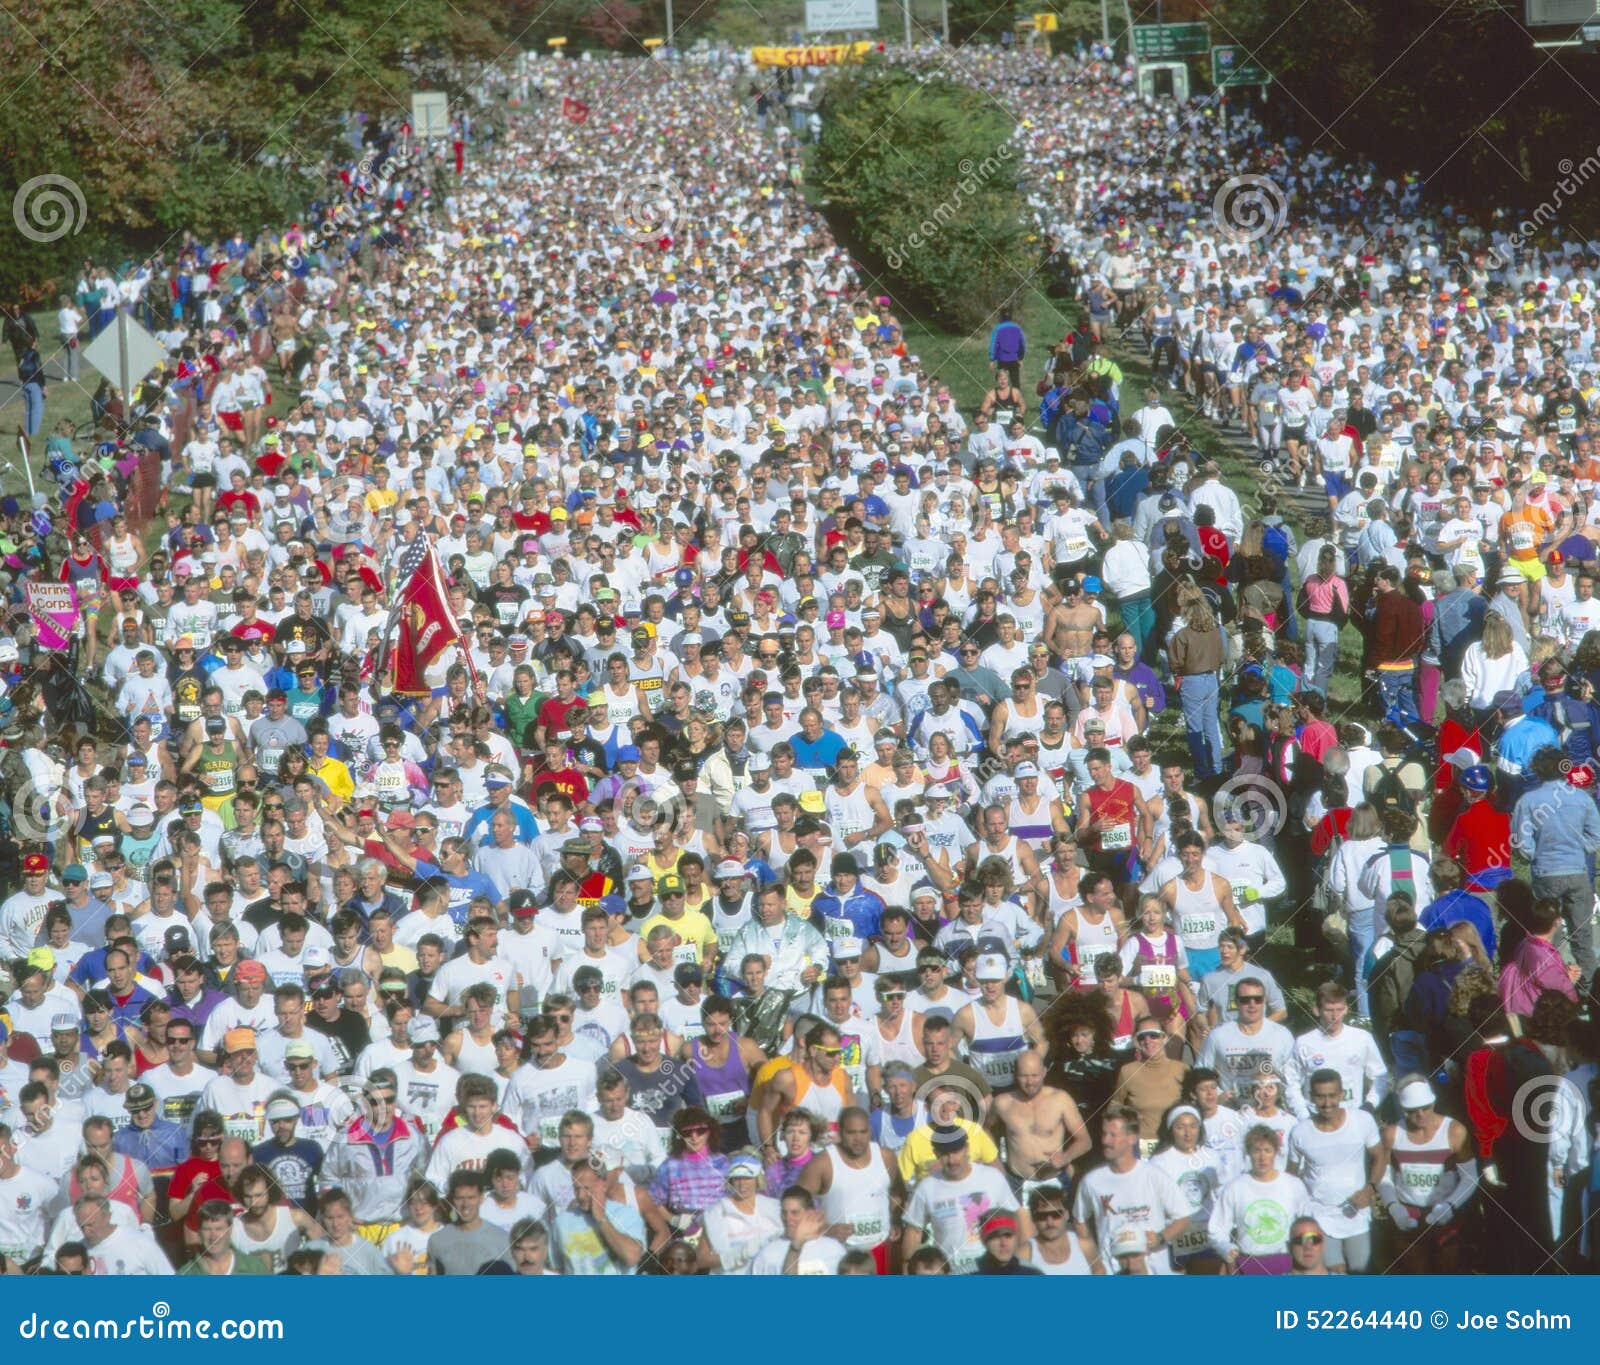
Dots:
pixel 1122 1033
pixel 648 678
pixel 860 1198
pixel 278 1243
pixel 1200 916
pixel 725 1088
pixel 1033 828
pixel 624 705
pixel 994 1048
pixel 476 1058
pixel 1155 968
pixel 1052 762
pixel 1093 942
pixel 900 1048
pixel 1019 722
pixel 1424 1171
pixel 216 771
pixel 1075 1264
pixel 826 1103
pixel 1008 852
pixel 1116 808
pixel 849 812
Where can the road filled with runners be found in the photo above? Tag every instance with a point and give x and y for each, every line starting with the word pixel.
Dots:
pixel 621 772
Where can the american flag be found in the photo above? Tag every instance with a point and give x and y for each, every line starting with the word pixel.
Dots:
pixel 414 558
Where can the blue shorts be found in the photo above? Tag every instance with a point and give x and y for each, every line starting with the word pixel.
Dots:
pixel 1336 485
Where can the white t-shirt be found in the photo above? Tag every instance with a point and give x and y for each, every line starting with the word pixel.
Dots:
pixel 23 1198
pixel 954 1210
pixel 1334 1166
pixel 1146 1198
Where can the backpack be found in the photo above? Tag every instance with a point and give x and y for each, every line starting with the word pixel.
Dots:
pixel 1388 792
pixel 1392 978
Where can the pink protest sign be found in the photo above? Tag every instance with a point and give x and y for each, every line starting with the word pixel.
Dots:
pixel 54 609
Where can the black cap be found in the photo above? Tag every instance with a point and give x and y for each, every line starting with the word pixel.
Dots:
pixel 846 862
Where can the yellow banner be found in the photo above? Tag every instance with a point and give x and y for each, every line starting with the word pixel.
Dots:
pixel 833 54
pixel 1046 23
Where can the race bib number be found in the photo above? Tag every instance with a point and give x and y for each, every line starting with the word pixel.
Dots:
pixel 1522 536
pixel 1076 547
pixel 1238 889
pixel 1117 837
pixel 1162 976
pixel 727 1106
pixel 869 1229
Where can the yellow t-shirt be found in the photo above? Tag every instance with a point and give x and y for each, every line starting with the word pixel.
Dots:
pixel 336 775
pixel 917 1156
pixel 691 926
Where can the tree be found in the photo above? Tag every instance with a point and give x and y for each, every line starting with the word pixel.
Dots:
pixel 921 175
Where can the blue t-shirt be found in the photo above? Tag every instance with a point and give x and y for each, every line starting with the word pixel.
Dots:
pixel 817 755
pixel 462 890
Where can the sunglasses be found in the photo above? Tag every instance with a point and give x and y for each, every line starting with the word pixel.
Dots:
pixel 696 1130
pixel 1251 999
pixel 1309 1239
pixel 1048 1213
pixel 562 1018
pixel 830 1051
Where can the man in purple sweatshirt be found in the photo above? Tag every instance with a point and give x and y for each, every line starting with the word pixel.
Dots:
pixel 1007 347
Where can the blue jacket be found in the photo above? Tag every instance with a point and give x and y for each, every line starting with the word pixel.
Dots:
pixel 1455 906
pixel 857 916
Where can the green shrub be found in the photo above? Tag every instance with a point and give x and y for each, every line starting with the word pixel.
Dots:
pixel 920 176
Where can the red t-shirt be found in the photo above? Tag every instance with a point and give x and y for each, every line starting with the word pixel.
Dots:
pixel 207 1175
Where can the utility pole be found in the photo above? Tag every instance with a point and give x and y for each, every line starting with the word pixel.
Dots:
pixel 944 19
pixel 905 7
pixel 1105 23
pixel 669 23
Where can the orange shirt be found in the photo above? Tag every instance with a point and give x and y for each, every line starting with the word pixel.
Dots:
pixel 1526 531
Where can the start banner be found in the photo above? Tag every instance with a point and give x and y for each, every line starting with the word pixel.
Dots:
pixel 830 54
pixel 54 610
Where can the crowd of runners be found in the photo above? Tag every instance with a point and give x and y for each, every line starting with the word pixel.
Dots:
pixel 856 833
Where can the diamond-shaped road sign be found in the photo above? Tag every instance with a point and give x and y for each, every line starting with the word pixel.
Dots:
pixel 144 351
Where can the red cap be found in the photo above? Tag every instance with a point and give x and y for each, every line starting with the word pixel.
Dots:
pixel 998 1222
pixel 35 862
pixel 1556 557
pixel 1582 775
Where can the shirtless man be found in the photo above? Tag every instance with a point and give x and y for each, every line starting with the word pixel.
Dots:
pixel 1043 1130
pixel 1070 624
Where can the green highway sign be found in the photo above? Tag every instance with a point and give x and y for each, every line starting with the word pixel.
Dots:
pixel 1229 69
pixel 1158 42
